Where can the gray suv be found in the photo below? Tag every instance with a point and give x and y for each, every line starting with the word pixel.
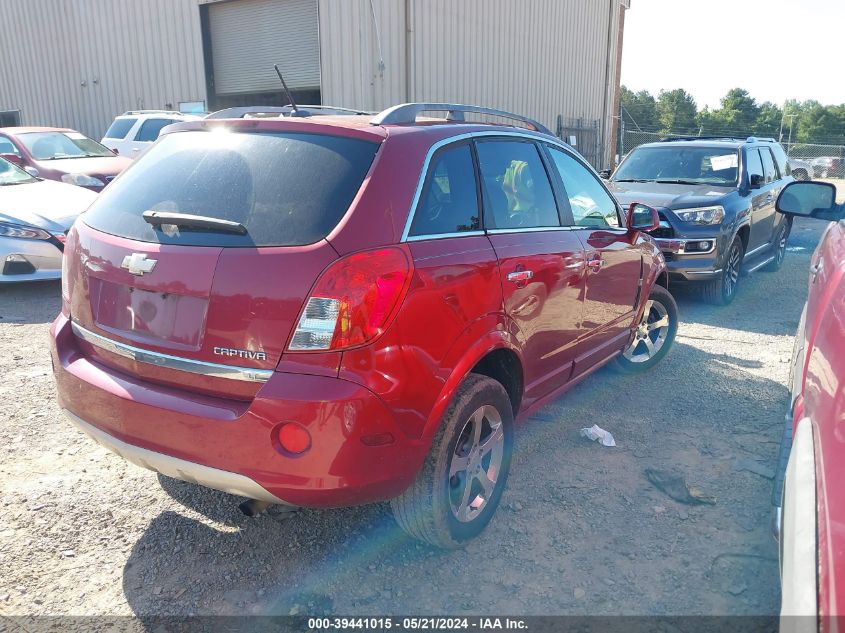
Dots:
pixel 716 202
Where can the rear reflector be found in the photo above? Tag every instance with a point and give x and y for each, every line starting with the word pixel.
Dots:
pixel 353 301
pixel 294 439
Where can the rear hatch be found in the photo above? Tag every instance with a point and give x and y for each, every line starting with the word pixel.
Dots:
pixel 208 304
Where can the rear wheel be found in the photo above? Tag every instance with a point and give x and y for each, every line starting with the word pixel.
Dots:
pixel 801 174
pixel 461 481
pixel 779 251
pixel 722 290
pixel 654 335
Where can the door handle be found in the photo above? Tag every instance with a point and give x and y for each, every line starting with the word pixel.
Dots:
pixel 595 264
pixel 817 268
pixel 520 276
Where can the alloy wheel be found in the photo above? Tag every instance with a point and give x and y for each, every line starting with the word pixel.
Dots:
pixel 476 463
pixel 780 253
pixel 652 333
pixel 732 271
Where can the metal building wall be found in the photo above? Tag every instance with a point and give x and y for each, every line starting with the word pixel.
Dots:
pixel 541 58
pixel 78 63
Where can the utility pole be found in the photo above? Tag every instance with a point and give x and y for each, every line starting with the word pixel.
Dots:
pixel 791 122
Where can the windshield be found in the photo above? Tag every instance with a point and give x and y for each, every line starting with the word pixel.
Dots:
pixel 706 165
pixel 13 175
pixel 285 189
pixel 56 145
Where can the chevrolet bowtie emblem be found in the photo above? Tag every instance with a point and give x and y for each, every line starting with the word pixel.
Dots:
pixel 138 264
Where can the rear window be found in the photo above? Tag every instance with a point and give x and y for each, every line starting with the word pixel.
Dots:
pixel 120 128
pixel 287 189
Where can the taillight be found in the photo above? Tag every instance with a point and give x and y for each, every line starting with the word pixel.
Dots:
pixel 353 301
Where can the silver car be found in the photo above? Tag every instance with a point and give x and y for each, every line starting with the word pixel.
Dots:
pixel 35 215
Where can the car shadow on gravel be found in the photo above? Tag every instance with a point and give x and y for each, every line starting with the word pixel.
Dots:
pixel 31 302
pixel 576 517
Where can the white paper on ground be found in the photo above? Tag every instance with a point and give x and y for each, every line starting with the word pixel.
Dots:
pixel 595 432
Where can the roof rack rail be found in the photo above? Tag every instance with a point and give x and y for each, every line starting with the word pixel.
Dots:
pixel 241 112
pixel 128 112
pixel 407 113
pixel 740 139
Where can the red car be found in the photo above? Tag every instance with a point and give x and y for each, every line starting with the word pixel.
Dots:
pixel 810 510
pixel 340 310
pixel 61 154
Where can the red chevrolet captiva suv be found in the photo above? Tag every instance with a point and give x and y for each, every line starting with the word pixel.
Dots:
pixel 334 310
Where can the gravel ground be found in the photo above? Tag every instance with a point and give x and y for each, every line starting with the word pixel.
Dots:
pixel 580 529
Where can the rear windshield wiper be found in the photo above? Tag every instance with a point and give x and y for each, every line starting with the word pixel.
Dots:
pixel 157 218
pixel 679 182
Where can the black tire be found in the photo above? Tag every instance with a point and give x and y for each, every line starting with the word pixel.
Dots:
pixel 636 357
pixel 426 510
pixel 779 249
pixel 722 290
pixel 801 174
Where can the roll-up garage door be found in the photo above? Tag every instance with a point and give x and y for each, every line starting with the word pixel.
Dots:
pixel 249 36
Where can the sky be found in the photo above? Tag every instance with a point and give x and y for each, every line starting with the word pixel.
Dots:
pixel 775 49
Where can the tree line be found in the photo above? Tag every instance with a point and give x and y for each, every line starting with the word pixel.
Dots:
pixel 739 114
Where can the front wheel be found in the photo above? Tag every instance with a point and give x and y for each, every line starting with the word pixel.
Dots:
pixel 461 481
pixel 654 335
pixel 722 290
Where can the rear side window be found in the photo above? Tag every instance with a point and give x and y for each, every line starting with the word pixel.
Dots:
pixel 517 192
pixel 781 160
pixel 754 164
pixel 449 201
pixel 769 169
pixel 120 128
pixel 151 128
pixel 590 203
pixel 287 189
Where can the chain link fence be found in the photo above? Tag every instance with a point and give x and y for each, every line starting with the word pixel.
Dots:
pixel 807 160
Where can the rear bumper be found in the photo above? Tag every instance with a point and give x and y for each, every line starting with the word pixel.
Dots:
pixel 229 444
pixel 232 483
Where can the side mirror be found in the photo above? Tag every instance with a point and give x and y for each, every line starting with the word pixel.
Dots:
pixel 604 174
pixel 642 217
pixel 13 158
pixel 810 200
pixel 31 171
pixel 755 181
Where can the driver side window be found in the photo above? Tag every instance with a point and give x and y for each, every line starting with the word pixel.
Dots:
pixel 591 205
pixel 449 200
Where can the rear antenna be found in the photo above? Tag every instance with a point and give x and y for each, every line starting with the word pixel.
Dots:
pixel 294 109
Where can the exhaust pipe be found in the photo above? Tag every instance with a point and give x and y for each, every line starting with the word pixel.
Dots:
pixel 253 507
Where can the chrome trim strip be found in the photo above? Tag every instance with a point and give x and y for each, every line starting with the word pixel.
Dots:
pixel 683 243
pixel 532 229
pixel 224 480
pixel 440 236
pixel 758 266
pixel 756 250
pixel 231 372
pixel 455 139
pixel 703 272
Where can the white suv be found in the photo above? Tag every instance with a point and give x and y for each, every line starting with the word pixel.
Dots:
pixel 134 131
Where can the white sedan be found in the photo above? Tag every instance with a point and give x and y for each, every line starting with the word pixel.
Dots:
pixel 35 216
